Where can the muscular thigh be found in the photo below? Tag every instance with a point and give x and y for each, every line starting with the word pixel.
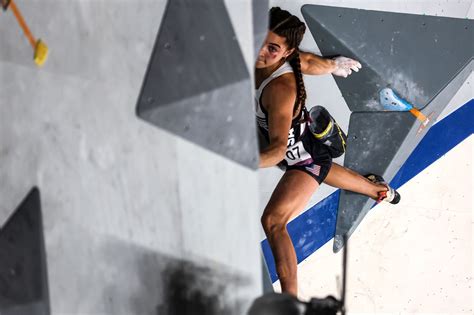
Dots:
pixel 291 195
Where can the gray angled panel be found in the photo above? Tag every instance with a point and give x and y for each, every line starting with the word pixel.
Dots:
pixel 212 120
pixel 197 85
pixel 23 271
pixel 260 23
pixel 416 55
pixel 380 143
pixel 373 140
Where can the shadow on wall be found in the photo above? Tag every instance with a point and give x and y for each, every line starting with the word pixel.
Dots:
pixel 193 289
pixel 163 285
pixel 107 275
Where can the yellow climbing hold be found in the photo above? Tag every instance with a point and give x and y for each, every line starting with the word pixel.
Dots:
pixel 41 53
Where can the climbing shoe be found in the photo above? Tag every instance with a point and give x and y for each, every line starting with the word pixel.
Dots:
pixel 391 195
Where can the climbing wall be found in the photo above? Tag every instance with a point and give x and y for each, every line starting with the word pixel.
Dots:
pixel 427 237
pixel 141 143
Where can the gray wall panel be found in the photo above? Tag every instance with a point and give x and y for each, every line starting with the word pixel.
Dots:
pixel 197 85
pixel 380 143
pixel 414 54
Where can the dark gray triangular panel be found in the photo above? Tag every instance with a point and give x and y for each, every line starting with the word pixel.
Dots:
pixel 223 133
pixel 374 139
pixel 197 85
pixel 416 55
pixel 380 143
pixel 23 272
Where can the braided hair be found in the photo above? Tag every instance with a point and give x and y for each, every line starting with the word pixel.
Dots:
pixel 286 25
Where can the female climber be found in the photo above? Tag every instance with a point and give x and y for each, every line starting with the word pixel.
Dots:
pixel 280 113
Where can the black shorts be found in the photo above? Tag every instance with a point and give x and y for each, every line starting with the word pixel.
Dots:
pixel 321 161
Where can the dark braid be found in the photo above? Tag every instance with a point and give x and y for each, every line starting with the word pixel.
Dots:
pixel 301 91
pixel 284 24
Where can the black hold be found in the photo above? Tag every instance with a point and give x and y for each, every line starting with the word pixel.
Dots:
pixel 5 4
pixel 191 289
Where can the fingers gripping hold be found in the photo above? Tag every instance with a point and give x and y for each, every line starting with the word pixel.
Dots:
pixel 345 66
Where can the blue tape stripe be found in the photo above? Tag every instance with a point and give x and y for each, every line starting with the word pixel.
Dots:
pixel 309 231
pixel 316 226
pixel 439 140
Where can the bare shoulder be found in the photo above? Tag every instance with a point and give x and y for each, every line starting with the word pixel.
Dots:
pixel 280 92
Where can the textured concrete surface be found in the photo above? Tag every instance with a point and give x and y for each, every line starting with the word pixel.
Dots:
pixel 126 205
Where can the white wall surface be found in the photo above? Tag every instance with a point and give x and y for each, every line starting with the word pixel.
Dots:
pixel 414 257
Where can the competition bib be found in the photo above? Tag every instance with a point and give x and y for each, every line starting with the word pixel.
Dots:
pixel 296 154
